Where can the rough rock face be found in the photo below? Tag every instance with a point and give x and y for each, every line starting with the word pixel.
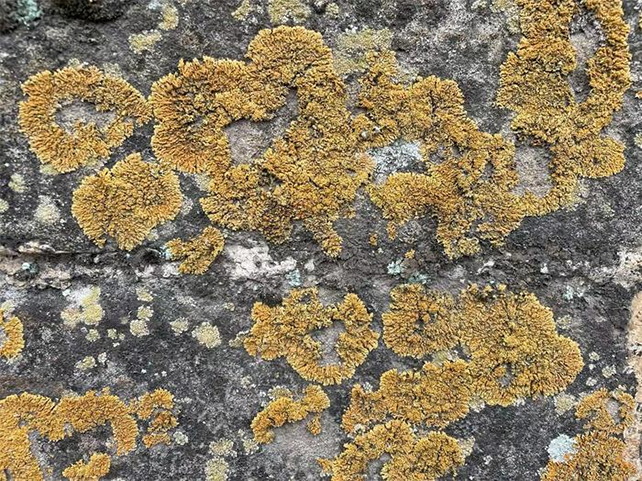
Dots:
pixel 281 239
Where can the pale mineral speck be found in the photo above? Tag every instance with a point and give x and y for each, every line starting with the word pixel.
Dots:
pixel 180 438
pixel 179 326
pixel 86 364
pixel 223 447
pixel 243 10
pixel 250 446
pixel 332 9
pixel 145 313
pixel 46 213
pixel 282 11
pixel 138 327
pixel 207 335
pixel 564 402
pixel 144 295
pixel 93 335
pixel 560 447
pixel 216 469
pixel 85 307
pixel 141 42
pixel 609 371
pixel 17 183
pixel 4 206
pixel 170 17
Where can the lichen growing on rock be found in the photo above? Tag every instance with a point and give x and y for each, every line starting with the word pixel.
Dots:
pixel 599 453
pixel 197 253
pixel 126 201
pixel 471 191
pixel 85 308
pixel 511 350
pixel 412 457
pixel 281 11
pixel 435 396
pixel 285 331
pixel 12 340
pixel 67 151
pixel 514 346
pixel 21 415
pixel 285 409
pixel 534 84
pixel 93 470
pixel 156 408
pixel 609 412
pixel 311 174
pixel 434 312
pixel 511 339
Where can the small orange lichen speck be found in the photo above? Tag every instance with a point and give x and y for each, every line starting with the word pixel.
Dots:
pixel 97 467
pixel 197 253
pixel 12 341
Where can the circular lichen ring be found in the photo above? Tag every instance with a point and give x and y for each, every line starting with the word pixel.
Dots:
pixel 67 150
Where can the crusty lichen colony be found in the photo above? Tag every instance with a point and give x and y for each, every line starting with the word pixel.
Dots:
pixel 23 415
pixel 313 172
pixel 65 151
pixel 482 346
pixel 512 352
pixel 599 453
pixel 285 331
pixel 12 340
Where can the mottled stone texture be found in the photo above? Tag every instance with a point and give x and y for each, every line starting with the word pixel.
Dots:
pixel 584 262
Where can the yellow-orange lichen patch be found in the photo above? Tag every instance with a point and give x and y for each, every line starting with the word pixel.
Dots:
pixel 434 396
pixel 156 407
pixel 471 190
pixel 511 339
pixel 285 331
pixel 66 151
pixel 126 201
pixel 420 323
pixel 22 415
pixel 12 340
pixel 310 174
pixel 97 467
pixel 534 84
pixel 511 350
pixel 599 454
pixel 285 409
pixel 412 458
pixel 197 253
pixel 608 412
pixel 514 346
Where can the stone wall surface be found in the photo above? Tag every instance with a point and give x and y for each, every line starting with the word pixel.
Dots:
pixel 288 239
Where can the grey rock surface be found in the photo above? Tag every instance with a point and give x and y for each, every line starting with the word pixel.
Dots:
pixel 583 262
